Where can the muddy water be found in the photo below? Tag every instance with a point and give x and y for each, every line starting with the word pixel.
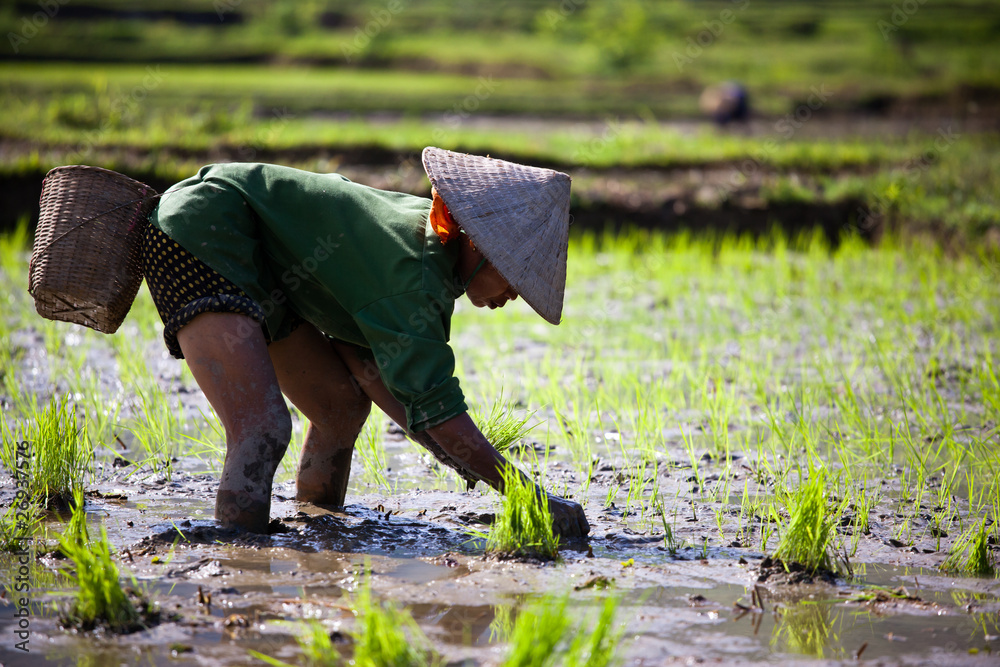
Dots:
pixel 697 605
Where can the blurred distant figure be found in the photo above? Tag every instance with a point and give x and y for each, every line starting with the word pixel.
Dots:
pixel 726 102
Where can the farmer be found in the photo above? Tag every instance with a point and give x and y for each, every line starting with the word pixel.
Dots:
pixel 271 280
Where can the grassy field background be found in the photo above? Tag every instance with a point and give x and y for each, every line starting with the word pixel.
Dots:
pixel 885 114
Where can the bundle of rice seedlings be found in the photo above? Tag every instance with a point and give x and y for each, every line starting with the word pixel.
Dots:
pixel 538 635
pixel 523 526
pixel 544 634
pixel 806 538
pixel 971 552
pixel 50 453
pixel 502 427
pixel 100 600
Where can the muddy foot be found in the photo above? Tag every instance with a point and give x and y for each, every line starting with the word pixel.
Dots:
pixel 240 509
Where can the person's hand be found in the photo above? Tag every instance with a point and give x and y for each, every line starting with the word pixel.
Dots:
pixel 568 519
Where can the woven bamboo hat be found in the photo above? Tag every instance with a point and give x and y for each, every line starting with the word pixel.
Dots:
pixel 517 216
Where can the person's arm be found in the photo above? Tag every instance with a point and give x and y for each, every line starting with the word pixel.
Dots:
pixel 465 444
pixel 462 443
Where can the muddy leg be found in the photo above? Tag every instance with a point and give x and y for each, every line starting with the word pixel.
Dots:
pixel 228 357
pixel 317 382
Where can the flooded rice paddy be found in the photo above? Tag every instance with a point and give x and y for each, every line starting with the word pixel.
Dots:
pixel 691 388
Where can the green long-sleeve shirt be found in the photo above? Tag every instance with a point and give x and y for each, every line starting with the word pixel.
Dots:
pixel 361 264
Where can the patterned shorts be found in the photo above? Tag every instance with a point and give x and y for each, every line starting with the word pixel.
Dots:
pixel 183 287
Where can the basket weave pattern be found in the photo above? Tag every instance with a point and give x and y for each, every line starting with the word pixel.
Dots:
pixel 86 264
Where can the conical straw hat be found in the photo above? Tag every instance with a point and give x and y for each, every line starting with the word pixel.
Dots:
pixel 517 216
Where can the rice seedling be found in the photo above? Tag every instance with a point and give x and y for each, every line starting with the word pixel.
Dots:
pixel 971 553
pixel 523 526
pixel 18 525
pixel 156 429
pixel 384 634
pixel 318 649
pixel 599 647
pixel 372 452
pixel 637 482
pixel 669 542
pixel 613 490
pixel 545 634
pixel 806 538
pixel 51 450
pixel 502 426
pixel 99 599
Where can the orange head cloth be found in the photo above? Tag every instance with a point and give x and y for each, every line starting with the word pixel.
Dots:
pixel 441 220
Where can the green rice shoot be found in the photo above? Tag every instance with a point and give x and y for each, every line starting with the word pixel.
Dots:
pixel 386 634
pixel 99 599
pixel 598 647
pixel 523 526
pixel 502 426
pixel 18 526
pixel 537 639
pixel 316 645
pixel 971 553
pixel 806 538
pixel 59 453
pixel 544 634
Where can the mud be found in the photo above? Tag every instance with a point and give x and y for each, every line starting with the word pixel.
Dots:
pixel 222 590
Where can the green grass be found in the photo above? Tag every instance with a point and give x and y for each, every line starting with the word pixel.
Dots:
pixel 890 180
pixel 318 650
pixel 806 538
pixel 523 526
pixel 503 426
pixel 18 525
pixel 99 599
pixel 195 108
pixel 971 553
pixel 58 455
pixel 386 634
pixel 383 635
pixel 629 46
pixel 547 633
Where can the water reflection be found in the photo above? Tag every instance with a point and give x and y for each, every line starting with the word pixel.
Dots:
pixel 503 623
pixel 461 625
pixel 808 627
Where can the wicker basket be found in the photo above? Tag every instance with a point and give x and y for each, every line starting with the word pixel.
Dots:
pixel 86 266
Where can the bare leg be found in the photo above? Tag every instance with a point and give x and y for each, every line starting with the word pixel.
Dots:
pixel 315 379
pixel 228 357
